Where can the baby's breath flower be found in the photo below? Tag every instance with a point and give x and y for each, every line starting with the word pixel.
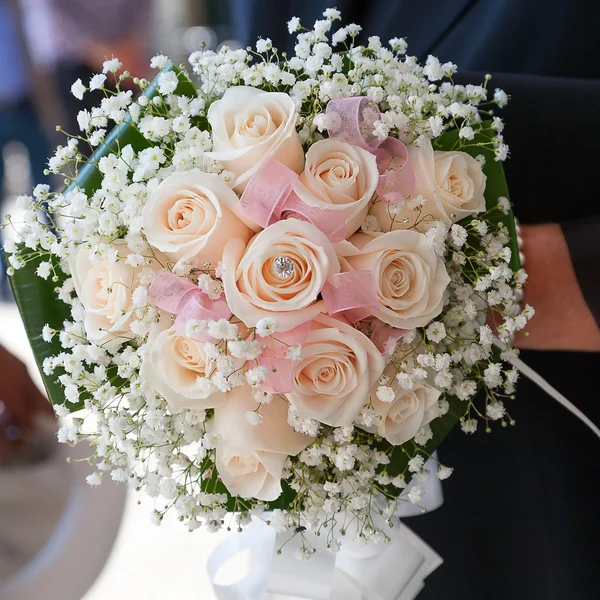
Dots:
pixel 500 97
pixel 222 329
pixel 111 66
pixel 293 24
pixel 97 81
pixel 44 269
pixel 159 61
pixel 436 332
pixel 385 394
pixel 416 494
pixel 266 326
pixel 78 89
pixel 444 472
pixel 253 417
pixel 504 204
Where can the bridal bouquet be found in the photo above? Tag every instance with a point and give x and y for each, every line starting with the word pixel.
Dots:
pixel 271 286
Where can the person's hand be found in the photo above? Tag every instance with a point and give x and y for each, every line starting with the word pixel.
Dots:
pixel 20 403
pixel 562 320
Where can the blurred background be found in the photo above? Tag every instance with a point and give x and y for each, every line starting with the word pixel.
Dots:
pixel 49 548
pixel 45 45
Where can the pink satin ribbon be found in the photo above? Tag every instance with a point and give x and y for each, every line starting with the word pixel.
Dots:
pixel 279 377
pixel 181 297
pixel 385 337
pixel 269 197
pixel 266 192
pixel 351 295
pixel 352 121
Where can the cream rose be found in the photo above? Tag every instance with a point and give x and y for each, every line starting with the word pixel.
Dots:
pixel 248 125
pixel 410 278
pixel 332 380
pixel 105 288
pixel 172 367
pixel 451 183
pixel 279 274
pixel 250 458
pixel 340 178
pixel 190 216
pixel 400 419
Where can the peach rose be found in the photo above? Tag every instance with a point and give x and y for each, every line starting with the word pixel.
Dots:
pixel 410 278
pixel 172 367
pixel 190 216
pixel 248 125
pixel 250 458
pixel 341 178
pixel 105 288
pixel 279 274
pixel 452 184
pixel 332 380
pixel 407 413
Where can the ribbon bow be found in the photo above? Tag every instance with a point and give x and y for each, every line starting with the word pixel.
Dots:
pixel 352 120
pixel 393 571
pixel 351 295
pixel 270 197
pixel 369 571
pixel 181 297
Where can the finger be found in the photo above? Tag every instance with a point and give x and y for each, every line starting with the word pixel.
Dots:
pixel 11 432
pixel 30 400
pixel 14 374
pixel 15 403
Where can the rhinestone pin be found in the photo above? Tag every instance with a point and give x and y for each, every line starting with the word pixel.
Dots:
pixel 284 267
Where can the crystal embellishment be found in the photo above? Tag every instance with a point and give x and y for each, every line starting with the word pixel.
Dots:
pixel 284 267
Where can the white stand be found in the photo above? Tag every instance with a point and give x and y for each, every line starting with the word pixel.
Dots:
pixel 394 571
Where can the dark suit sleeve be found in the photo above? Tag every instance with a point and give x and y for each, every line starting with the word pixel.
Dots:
pixel 583 239
pixel 540 133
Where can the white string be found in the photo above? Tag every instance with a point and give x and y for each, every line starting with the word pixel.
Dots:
pixel 552 392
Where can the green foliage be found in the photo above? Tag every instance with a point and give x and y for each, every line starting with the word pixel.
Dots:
pixel 38 305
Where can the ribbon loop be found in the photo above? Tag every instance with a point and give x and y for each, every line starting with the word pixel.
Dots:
pixel 181 297
pixel 385 337
pixel 352 120
pixel 275 358
pixel 351 294
pixel 396 176
pixel 266 192
pixel 269 197
pixel 327 221
pixel 170 292
pixel 373 571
